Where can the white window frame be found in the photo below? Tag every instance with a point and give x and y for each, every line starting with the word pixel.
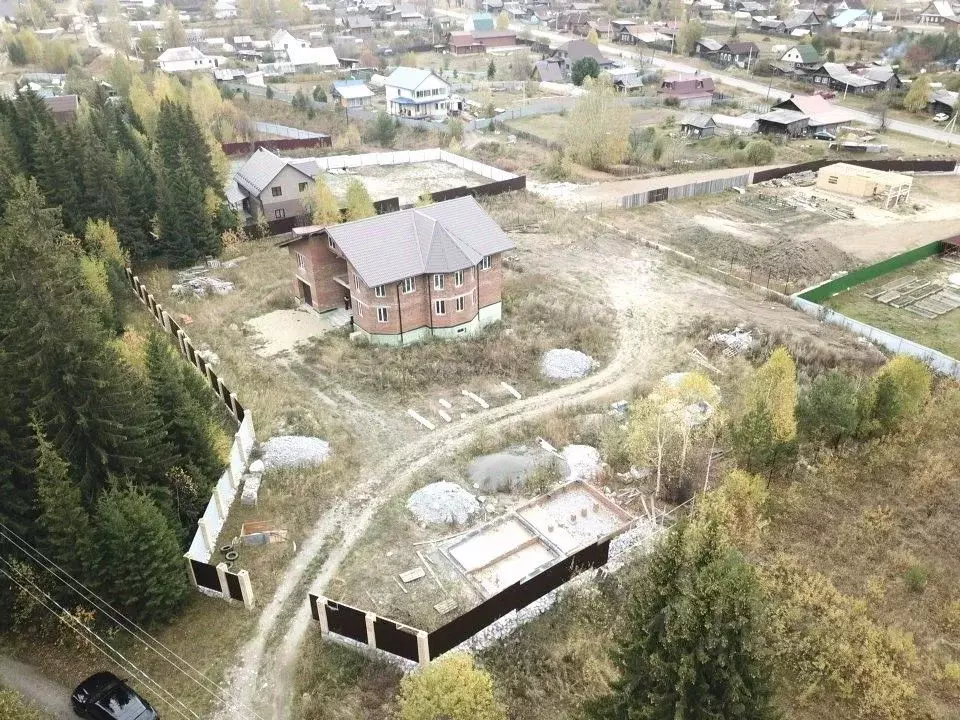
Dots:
pixel 331 243
pixel 302 189
pixel 409 285
pixel 458 306
pixel 485 263
pixel 458 278
pixel 439 307
pixel 301 261
pixel 279 213
pixel 356 281
pixel 382 315
pixel 276 191
pixel 379 291
pixel 360 309
pixel 438 281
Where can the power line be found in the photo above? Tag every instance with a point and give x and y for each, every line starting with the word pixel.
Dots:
pixel 123 662
pixel 120 619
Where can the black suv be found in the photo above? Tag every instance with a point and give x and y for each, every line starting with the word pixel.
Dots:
pixel 104 696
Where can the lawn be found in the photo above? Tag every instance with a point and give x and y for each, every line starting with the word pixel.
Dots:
pixel 942 333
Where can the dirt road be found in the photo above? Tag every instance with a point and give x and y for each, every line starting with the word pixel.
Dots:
pixel 650 297
pixel 762 89
pixel 37 689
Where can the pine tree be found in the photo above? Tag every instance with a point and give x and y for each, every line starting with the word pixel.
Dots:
pixel 359 204
pixel 68 538
pixel 694 646
pixel 186 233
pixel 140 568
pixel 186 419
pixel 65 370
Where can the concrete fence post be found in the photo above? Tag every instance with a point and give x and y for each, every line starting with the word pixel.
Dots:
pixel 205 534
pixel 218 501
pixel 234 480
pixel 193 578
pixel 233 405
pixel 246 589
pixel 423 648
pixel 222 576
pixel 321 604
pixel 371 629
pixel 239 443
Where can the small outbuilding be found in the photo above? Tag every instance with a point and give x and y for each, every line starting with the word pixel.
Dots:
pixel 352 93
pixel 788 123
pixel 698 125
pixel 862 182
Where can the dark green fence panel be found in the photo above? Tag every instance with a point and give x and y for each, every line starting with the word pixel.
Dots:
pixel 821 292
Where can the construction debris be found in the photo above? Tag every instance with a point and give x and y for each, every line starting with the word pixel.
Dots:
pixel 414 574
pixel 565 364
pixel 202 286
pixel 445 606
pixel 476 398
pixel 512 390
pixel 443 503
pixel 421 419
pixel 583 461
pixel 736 341
pixel 294 451
pixel 250 494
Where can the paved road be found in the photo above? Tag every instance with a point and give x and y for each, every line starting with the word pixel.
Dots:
pixel 763 89
pixel 36 688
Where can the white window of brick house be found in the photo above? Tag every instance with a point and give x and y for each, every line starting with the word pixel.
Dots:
pixel 356 281
pixel 485 263
pixel 438 282
pixel 331 243
pixel 440 306
pixel 379 291
pixel 301 261
pixel 459 305
pixel 409 285
pixel 381 314
pixel 279 213
pixel 458 278
pixel 302 187
pixel 360 309
pixel 276 191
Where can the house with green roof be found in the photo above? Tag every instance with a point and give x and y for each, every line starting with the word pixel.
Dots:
pixel 479 21
pixel 801 56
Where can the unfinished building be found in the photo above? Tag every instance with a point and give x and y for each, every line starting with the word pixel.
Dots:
pixel 889 187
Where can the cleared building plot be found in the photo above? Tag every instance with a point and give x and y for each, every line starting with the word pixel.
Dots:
pixel 406 182
pixel 535 535
pixel 889 188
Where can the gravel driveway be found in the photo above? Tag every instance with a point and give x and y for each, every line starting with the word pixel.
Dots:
pixel 44 693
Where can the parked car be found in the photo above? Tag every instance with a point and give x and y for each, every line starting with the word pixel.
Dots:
pixel 104 696
pixel 941 117
pixel 824 135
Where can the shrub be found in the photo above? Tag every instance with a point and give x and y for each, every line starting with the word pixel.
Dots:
pixel 916 577
pixel 452 688
pixel 760 152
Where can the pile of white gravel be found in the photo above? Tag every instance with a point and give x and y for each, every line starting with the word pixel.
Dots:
pixel 583 461
pixel 201 286
pixel 565 364
pixel 442 503
pixel 294 451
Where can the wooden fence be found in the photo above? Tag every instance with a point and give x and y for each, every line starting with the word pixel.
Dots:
pixel 679 192
pixel 205 576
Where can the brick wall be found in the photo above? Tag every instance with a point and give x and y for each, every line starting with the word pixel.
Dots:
pixel 491 282
pixel 322 266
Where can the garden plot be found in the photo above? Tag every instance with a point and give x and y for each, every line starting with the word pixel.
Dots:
pixel 406 181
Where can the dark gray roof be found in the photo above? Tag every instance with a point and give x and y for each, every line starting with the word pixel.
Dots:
pixel 578 49
pixel 260 170
pixel 698 120
pixel 549 71
pixel 441 238
pixel 62 103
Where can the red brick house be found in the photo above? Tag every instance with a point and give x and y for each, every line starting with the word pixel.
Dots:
pixel 408 275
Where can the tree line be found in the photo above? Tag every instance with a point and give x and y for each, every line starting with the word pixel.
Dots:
pixel 159 190
pixel 111 442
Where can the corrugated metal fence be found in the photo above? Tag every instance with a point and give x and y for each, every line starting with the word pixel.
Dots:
pixel 679 192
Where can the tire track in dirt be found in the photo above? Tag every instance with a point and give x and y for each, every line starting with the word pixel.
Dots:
pixel 256 672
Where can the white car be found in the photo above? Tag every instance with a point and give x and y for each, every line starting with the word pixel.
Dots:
pixel 941 117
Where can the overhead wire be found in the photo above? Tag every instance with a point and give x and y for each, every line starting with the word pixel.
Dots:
pixel 151 642
pixel 114 655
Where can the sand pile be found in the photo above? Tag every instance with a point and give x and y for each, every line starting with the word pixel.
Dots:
pixel 442 503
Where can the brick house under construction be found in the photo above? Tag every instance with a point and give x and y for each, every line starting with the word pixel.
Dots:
pixel 405 276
